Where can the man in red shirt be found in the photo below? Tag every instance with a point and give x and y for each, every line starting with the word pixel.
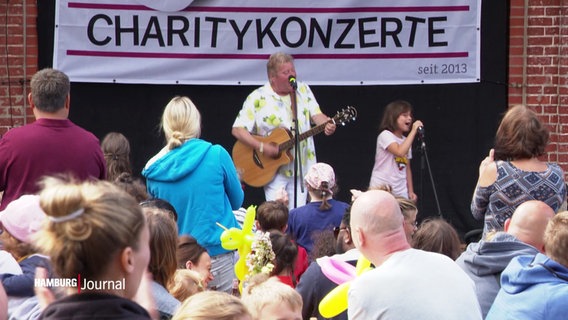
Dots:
pixel 51 145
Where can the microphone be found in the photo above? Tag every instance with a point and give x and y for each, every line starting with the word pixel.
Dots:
pixel 421 133
pixel 293 83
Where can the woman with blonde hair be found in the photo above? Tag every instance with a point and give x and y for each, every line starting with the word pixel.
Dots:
pixel 216 305
pixel 200 180
pixel 96 234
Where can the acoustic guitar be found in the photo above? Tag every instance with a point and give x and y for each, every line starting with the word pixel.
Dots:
pixel 257 170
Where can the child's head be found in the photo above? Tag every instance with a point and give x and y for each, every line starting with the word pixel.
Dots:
pixel 320 181
pixel 160 204
pixel 19 221
pixel 437 235
pixel 185 283
pixel 393 110
pixel 556 238
pixel 272 215
pixel 270 299
pixel 212 305
pixel 163 244
pixel 409 211
pixel 285 251
pixel 133 186
pixel 96 230
pixel 192 255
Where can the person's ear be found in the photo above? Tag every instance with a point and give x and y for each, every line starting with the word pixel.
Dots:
pixel 257 225
pixel 68 102
pixel 189 264
pixel 347 236
pixel 127 260
pixel 507 224
pixel 360 236
pixel 31 100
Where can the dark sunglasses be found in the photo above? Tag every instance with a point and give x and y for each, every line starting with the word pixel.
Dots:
pixel 336 230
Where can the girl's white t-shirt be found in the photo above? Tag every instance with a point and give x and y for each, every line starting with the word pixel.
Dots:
pixel 389 169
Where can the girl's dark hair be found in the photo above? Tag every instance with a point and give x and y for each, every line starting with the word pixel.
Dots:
pixel 116 150
pixel 521 135
pixel 286 252
pixel 324 244
pixel 391 113
pixel 133 186
pixel 437 235
pixel 188 250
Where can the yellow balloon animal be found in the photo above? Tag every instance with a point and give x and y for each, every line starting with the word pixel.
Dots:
pixel 240 240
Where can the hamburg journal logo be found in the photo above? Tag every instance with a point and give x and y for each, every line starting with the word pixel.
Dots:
pixel 80 283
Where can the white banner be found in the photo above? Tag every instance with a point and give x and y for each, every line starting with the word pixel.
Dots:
pixel 227 42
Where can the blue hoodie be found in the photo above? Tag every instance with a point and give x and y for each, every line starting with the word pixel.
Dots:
pixel 485 260
pixel 200 180
pixel 532 288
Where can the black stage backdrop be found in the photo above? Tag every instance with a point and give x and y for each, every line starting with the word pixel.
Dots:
pixel 460 120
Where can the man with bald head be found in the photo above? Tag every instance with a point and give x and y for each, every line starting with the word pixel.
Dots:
pixel 407 283
pixel 485 260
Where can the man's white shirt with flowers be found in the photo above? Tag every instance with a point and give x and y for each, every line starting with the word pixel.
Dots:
pixel 264 110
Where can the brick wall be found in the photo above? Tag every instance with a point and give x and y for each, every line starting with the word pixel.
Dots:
pixel 538 41
pixel 18 62
pixel 538 49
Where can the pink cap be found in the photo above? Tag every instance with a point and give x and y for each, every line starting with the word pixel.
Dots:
pixel 23 217
pixel 319 173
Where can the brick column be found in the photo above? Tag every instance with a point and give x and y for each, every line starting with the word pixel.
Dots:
pixel 18 61
pixel 542 36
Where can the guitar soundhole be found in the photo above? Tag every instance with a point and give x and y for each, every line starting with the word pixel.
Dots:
pixel 256 160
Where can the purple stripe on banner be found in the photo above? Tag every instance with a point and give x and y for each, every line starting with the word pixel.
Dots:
pixel 265 56
pixel 108 6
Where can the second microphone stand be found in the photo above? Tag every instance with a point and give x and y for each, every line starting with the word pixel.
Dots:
pixel 425 158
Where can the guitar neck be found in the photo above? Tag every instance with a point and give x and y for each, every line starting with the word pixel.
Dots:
pixel 313 131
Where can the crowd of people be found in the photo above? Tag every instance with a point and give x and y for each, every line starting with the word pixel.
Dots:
pixel 82 236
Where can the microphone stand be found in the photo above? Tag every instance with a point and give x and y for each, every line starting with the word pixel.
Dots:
pixel 425 157
pixel 297 153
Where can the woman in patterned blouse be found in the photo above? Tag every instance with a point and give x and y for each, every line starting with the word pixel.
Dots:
pixel 512 173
